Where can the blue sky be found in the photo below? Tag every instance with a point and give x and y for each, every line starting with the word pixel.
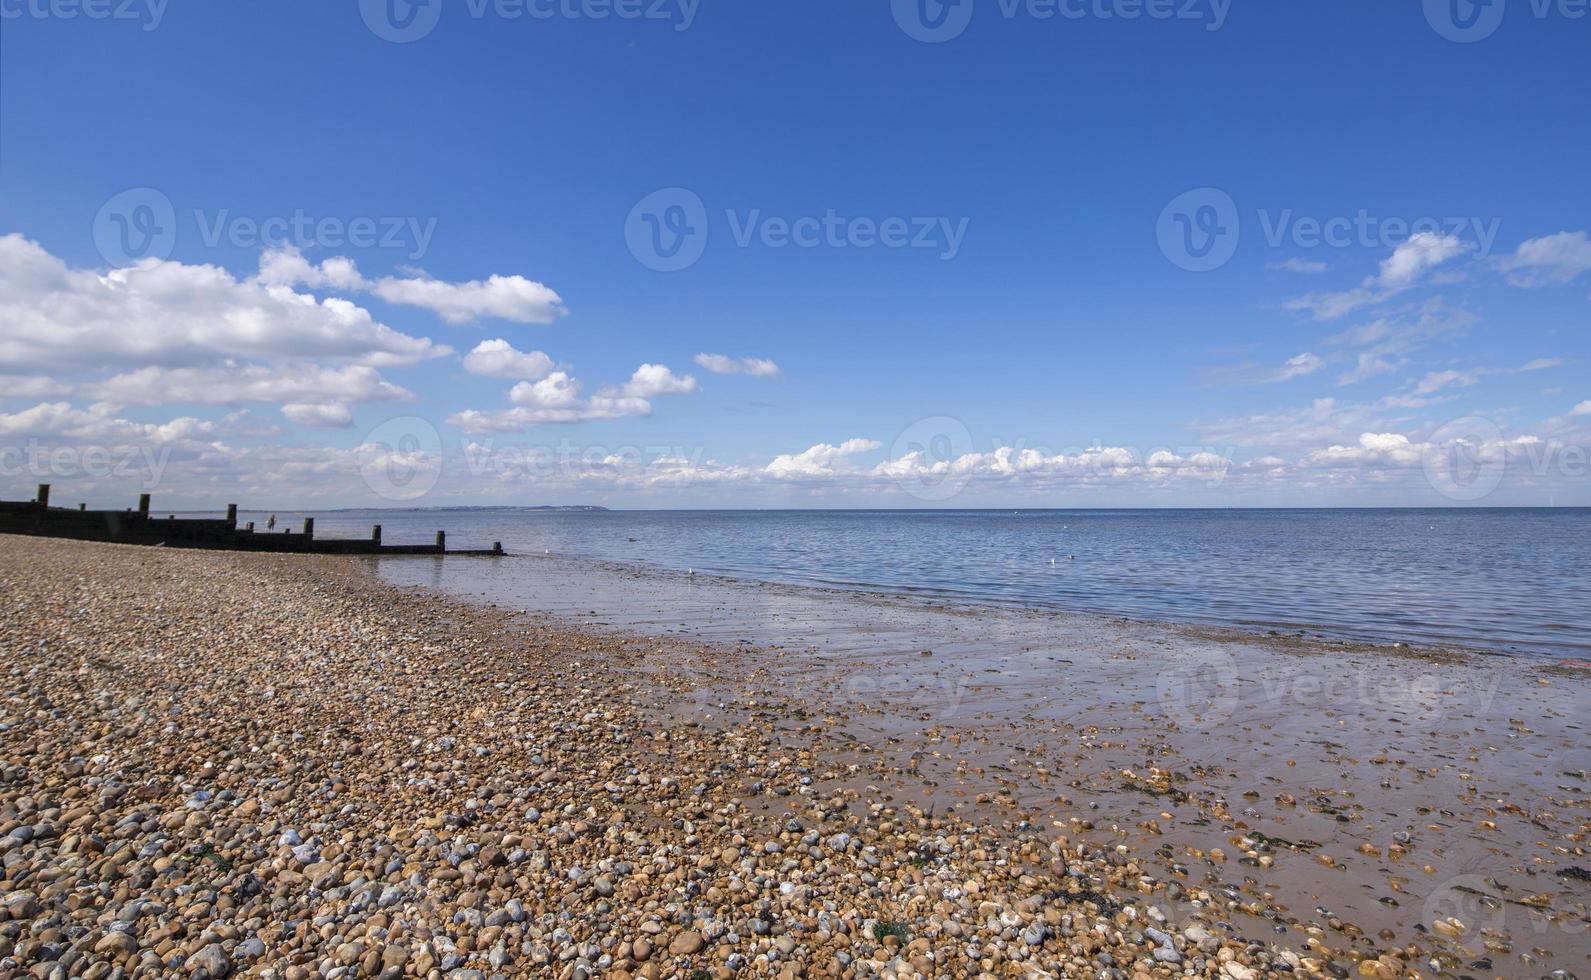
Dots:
pixel 1031 164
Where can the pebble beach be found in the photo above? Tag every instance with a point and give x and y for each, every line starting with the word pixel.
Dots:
pixel 220 765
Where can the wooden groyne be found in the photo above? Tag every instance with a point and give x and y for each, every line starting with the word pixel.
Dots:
pixel 36 517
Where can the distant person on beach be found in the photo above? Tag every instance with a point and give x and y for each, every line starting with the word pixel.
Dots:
pixel 270 525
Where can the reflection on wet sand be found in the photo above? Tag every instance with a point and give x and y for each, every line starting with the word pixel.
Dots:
pixel 1412 797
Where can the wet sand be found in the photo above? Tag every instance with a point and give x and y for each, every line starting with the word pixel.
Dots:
pixel 1359 793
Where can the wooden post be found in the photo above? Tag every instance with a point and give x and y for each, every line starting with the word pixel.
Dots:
pixel 309 527
pixel 44 495
pixel 232 514
pixel 82 506
pixel 375 535
pixel 143 505
pixel 441 542
pixel 251 527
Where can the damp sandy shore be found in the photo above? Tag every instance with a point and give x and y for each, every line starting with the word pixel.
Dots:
pixel 216 764
pixel 1350 788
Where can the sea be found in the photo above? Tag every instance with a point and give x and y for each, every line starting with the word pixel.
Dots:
pixel 1491 580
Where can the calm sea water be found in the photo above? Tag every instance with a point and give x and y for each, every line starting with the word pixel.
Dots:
pixel 1508 580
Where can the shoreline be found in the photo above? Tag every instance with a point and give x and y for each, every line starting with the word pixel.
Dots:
pixel 1280 635
pixel 647 760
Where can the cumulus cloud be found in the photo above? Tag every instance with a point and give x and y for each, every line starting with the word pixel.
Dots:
pixel 723 364
pixel 288 267
pixel 1400 271
pixel 1038 467
pixel 1387 446
pixel 232 383
pixel 499 359
pixel 31 386
pixel 1584 408
pixel 326 415
pixel 820 460
pixel 168 313
pixel 557 390
pixel 1556 258
pixel 554 399
pixel 98 423
pixel 512 298
pixel 652 380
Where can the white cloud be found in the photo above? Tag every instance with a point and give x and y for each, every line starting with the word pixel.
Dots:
pixel 1300 366
pixel 1437 380
pixel 1552 259
pixel 232 383
pixel 557 390
pixel 1400 271
pixel 652 380
pixel 1584 408
pixel 1386 342
pixel 819 461
pixel 723 364
pixel 288 267
pixel 98 423
pixel 512 298
pixel 1304 266
pixel 31 386
pixel 554 399
pixel 168 313
pixel 499 359
pixel 327 415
